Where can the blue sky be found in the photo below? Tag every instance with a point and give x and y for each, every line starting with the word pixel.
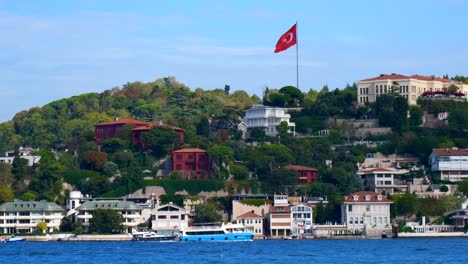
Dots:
pixel 56 49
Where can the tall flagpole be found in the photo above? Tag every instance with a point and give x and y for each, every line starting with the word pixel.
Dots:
pixel 297 56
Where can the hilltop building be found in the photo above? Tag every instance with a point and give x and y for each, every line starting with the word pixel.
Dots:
pixel 107 130
pixel 410 87
pixel 23 216
pixel 450 164
pixel 267 118
pixel 193 163
pixel 306 174
pixel 24 153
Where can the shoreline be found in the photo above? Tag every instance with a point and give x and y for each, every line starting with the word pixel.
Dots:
pixel 127 237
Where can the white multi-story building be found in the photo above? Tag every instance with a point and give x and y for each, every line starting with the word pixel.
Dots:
pixel 267 118
pixel 366 211
pixel 410 87
pixel 252 222
pixel 169 218
pixel 301 220
pixel 130 212
pixel 451 164
pixel 23 216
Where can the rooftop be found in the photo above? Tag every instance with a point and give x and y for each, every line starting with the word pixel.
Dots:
pixel 451 152
pixel 30 206
pixel 366 197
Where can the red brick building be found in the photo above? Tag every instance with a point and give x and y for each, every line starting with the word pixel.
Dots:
pixel 112 129
pixel 306 174
pixel 193 163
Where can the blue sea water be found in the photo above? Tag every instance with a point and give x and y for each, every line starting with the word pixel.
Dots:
pixel 449 250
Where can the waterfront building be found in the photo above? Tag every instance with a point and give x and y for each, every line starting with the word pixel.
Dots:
pixel 305 174
pixel 451 164
pixel 280 217
pixel 367 211
pixel 460 216
pixel 130 212
pixel 301 220
pixel 23 216
pixel 252 223
pixel 267 118
pixel 192 163
pixel 258 204
pixel 169 218
pixel 410 87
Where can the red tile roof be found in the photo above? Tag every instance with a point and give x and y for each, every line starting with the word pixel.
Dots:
pixel 395 76
pixel 124 121
pixel 451 152
pixel 361 198
pixel 158 124
pixel 249 215
pixel 190 150
pixel 392 76
pixel 299 168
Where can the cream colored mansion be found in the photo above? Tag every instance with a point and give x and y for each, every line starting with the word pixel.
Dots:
pixel 410 87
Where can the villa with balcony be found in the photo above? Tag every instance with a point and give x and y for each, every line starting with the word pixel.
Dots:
pixel 21 217
pixel 267 118
pixel 130 212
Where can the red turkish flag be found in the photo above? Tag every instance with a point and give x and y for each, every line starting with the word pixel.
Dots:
pixel 287 40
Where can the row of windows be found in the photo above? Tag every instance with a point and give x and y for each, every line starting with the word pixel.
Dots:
pixel 306 215
pixel 376 220
pixel 182 217
pixel 384 182
pixel 250 221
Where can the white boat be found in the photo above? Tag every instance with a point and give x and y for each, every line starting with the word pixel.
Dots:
pixel 216 232
pixel 153 236
pixel 13 239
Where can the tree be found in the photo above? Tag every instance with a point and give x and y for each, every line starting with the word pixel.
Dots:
pixel 203 127
pixel 93 160
pixel 416 115
pixel 159 140
pixel 106 221
pixel 292 96
pixel 110 168
pixel 42 227
pixel 206 213
pixel 444 188
pixel 6 179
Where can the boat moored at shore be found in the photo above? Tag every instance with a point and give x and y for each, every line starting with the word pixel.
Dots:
pixel 153 236
pixel 216 232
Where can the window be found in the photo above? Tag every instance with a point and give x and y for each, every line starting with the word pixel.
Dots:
pixel 351 220
pixel 179 156
pixel 162 217
pixel 367 208
pixel 174 217
pixel 350 208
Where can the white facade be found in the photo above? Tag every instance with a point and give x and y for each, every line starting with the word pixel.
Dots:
pixel 267 118
pixel 169 217
pixel 366 211
pixel 301 220
pixel 451 164
pixel 24 153
pixel 23 216
pixel 410 87
pixel 130 212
